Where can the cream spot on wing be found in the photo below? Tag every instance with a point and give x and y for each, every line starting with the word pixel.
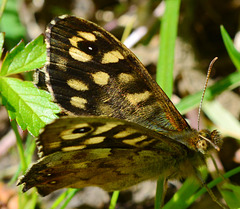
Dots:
pixel 77 85
pixel 54 145
pixel 62 16
pixel 80 165
pixel 125 77
pixel 135 140
pixel 87 36
pixel 105 109
pixel 53 22
pixel 78 102
pixel 105 128
pixel 99 153
pixel 72 148
pixel 48 30
pixel 138 97
pixel 79 55
pixel 112 57
pixel 61 63
pixel 143 144
pixel 100 78
pixel 74 41
pixel 125 133
pixel 95 140
pixel 69 135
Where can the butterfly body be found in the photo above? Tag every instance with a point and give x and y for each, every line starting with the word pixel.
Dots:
pixel 121 127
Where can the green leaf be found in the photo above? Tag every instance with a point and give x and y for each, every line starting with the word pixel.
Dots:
pixel 231 194
pixel 233 53
pixel 30 106
pixel 22 59
pixel 10 56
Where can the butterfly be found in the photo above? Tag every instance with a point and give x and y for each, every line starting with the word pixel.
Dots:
pixel 119 128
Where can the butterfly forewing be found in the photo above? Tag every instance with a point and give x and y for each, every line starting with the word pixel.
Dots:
pixel 89 72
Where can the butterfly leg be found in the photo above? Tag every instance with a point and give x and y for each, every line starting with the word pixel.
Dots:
pixel 214 198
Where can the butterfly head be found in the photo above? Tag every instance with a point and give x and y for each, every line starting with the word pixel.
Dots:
pixel 208 140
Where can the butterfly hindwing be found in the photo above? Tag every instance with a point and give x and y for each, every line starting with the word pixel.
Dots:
pixel 74 133
pixel 105 152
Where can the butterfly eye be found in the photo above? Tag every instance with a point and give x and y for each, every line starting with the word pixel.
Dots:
pixel 81 130
pixel 202 146
pixel 88 47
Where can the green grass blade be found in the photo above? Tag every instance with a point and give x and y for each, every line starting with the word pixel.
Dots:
pixel 233 53
pixel 160 193
pixel 114 199
pixel 222 118
pixel 168 34
pixel 212 184
pixel 71 194
pixel 192 101
pixel 231 194
pixel 164 77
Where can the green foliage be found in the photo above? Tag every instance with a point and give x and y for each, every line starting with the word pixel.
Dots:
pixel 231 194
pixel 31 107
pixel 11 24
pixel 24 58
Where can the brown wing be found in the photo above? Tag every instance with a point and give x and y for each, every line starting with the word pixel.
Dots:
pixel 90 72
pixel 110 153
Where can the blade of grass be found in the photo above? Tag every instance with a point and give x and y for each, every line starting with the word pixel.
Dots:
pixel 68 195
pixel 71 194
pixel 192 101
pixel 213 183
pixel 20 146
pixel 164 77
pixel 222 118
pixel 168 34
pixel 232 52
pixel 231 194
pixel 114 200
pixel 160 192
pixel 2 7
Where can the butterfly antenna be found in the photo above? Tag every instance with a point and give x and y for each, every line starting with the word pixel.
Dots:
pixel 205 87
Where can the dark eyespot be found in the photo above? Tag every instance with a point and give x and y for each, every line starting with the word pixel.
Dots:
pixel 81 130
pixel 88 47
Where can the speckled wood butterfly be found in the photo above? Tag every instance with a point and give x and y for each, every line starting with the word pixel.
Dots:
pixel 120 127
